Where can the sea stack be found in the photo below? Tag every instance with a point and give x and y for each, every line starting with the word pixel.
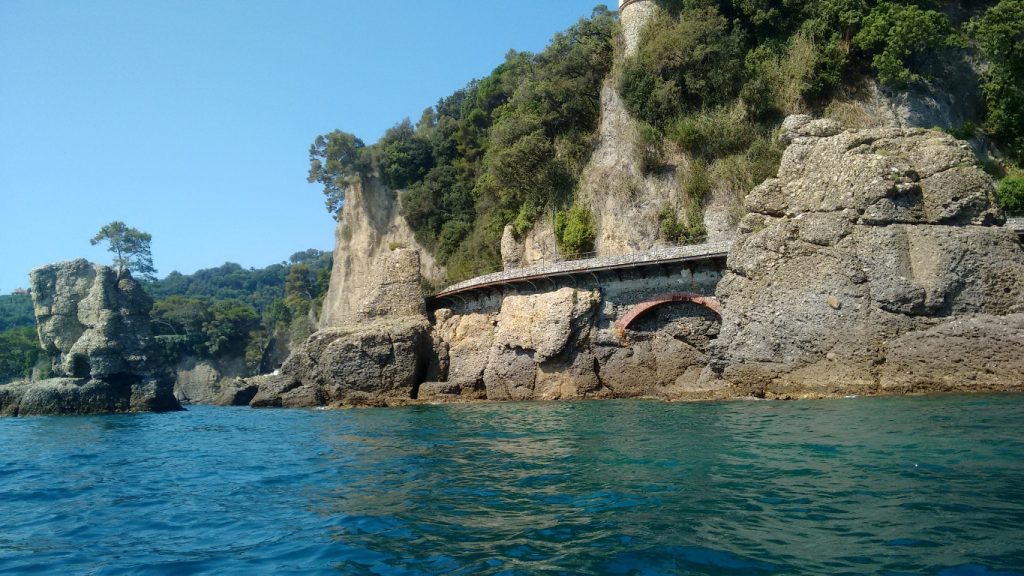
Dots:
pixel 93 321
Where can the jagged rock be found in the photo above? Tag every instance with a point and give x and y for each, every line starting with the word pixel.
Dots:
pixel 867 241
pixel 235 392
pixel 94 324
pixel 206 381
pixel 381 361
pixel 370 228
pixel 398 289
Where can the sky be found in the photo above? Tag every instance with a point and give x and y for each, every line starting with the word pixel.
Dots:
pixel 192 119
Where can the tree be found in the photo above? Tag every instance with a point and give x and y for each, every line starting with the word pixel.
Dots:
pixel 335 162
pixel 130 248
pixel 1000 37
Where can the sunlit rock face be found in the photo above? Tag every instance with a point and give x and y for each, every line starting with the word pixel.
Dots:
pixel 873 263
pixel 94 323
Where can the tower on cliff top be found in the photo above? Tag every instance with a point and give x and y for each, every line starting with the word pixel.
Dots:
pixel 634 16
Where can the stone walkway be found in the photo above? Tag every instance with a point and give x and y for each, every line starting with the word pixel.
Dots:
pixel 601 263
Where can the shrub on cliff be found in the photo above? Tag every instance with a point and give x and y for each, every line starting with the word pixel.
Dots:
pixel 688 63
pixel 575 231
pixel 894 35
pixel 1011 195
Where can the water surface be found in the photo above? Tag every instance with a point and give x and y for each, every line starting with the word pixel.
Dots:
pixel 865 486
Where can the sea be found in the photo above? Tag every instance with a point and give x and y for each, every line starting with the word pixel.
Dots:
pixel 893 486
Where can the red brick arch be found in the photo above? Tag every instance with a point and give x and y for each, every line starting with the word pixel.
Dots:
pixel 709 302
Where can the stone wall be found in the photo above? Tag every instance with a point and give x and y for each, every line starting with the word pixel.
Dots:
pixel 634 16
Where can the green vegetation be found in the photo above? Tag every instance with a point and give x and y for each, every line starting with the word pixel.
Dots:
pixel 500 151
pixel 19 353
pixel 896 35
pixel 16 311
pixel 575 231
pixel 229 312
pixel 999 34
pixel 1011 195
pixel 710 81
pixel 131 249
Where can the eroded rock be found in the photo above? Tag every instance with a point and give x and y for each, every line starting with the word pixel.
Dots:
pixel 869 249
pixel 94 324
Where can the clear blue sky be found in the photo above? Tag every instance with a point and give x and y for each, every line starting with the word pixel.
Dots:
pixel 192 119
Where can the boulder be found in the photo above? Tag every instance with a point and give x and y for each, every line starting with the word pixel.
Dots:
pixel 868 251
pixel 378 356
pixel 94 323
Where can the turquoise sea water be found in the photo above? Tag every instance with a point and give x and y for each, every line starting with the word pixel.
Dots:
pixel 862 486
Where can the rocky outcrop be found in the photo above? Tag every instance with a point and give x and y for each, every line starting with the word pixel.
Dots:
pixel 207 381
pixel 564 345
pixel 379 363
pixel 370 228
pixel 377 354
pixel 94 324
pixel 870 265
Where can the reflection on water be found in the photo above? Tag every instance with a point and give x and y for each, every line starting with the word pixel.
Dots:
pixel 897 486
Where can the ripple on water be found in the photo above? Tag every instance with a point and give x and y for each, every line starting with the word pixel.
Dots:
pixel 885 486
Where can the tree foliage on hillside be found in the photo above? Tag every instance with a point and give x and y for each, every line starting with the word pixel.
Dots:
pixel 229 312
pixel 713 76
pixel 16 311
pixel 19 353
pixel 499 151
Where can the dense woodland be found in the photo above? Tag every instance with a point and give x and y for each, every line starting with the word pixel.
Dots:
pixel 712 79
pixel 227 314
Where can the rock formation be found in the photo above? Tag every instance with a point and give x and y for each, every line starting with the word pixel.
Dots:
pixel 375 354
pixel 94 324
pixel 871 265
pixel 369 228
pixel 564 345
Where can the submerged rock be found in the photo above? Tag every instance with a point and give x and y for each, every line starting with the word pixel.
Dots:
pixel 872 264
pixel 94 324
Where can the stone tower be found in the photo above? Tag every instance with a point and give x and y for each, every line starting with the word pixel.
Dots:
pixel 634 16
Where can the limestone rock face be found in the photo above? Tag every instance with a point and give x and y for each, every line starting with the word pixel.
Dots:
pixel 377 356
pixel 561 345
pixel 376 364
pixel 94 324
pixel 870 264
pixel 206 381
pixel 369 229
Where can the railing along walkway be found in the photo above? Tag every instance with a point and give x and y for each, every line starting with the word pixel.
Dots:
pixel 570 267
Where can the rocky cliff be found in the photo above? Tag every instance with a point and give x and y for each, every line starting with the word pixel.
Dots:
pixel 94 324
pixel 872 264
pixel 370 226
pixel 564 345
pixel 377 353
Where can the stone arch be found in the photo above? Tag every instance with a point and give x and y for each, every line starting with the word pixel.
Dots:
pixel 638 310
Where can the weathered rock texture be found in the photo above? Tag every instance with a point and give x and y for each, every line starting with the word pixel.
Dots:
pixel 871 265
pixel 375 354
pixel 94 324
pixel 624 196
pixel 564 345
pixel 369 228
pixel 208 382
